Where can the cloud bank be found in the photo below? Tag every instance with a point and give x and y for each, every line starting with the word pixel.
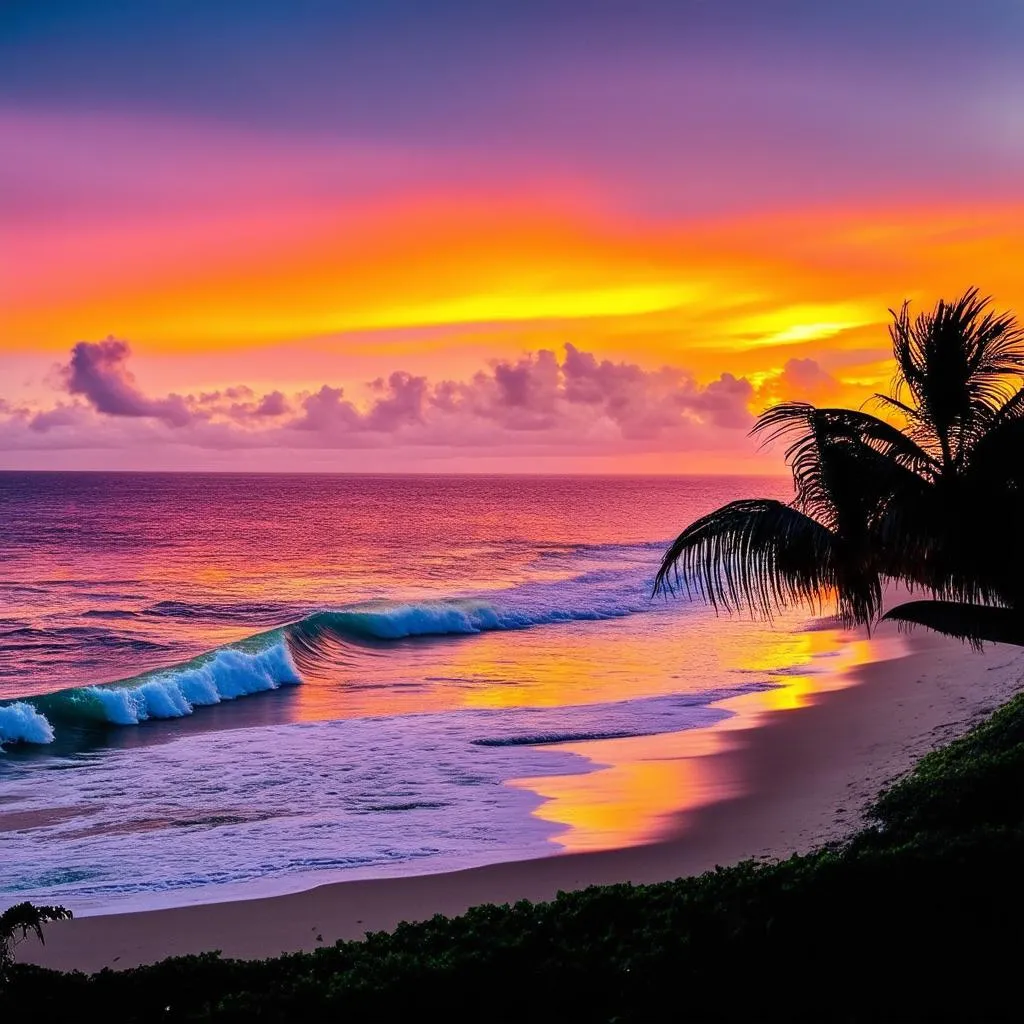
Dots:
pixel 563 403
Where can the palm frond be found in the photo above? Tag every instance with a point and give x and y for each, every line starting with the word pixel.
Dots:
pixel 846 463
pixel 997 457
pixel 798 419
pixel 27 917
pixel 960 363
pixel 974 623
pixel 1011 411
pixel 935 504
pixel 908 412
pixel 15 925
pixel 764 555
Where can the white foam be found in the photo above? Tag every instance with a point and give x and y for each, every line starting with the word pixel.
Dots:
pixel 286 806
pixel 22 723
pixel 228 674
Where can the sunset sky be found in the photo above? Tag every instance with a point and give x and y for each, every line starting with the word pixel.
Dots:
pixel 472 235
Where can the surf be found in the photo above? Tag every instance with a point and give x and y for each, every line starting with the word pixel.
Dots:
pixel 226 674
pixel 278 657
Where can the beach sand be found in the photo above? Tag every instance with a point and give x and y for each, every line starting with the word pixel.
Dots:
pixel 789 781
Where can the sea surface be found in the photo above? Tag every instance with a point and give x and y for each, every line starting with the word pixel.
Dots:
pixel 215 686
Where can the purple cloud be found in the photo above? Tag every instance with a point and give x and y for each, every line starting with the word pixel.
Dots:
pixel 51 419
pixel 541 401
pixel 402 402
pixel 326 411
pixel 273 404
pixel 98 372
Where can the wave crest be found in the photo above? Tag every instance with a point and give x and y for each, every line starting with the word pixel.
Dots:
pixel 22 723
pixel 387 620
pixel 269 660
pixel 227 674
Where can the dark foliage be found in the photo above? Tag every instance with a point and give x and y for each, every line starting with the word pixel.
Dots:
pixel 916 918
pixel 17 922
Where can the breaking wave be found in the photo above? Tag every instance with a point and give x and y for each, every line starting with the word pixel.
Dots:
pixel 279 656
pixel 20 722
pixel 224 674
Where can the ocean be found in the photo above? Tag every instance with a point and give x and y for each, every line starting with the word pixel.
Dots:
pixel 215 686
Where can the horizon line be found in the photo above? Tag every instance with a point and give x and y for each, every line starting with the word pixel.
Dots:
pixel 377 474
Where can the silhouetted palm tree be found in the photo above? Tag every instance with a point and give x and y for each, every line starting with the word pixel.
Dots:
pixel 937 504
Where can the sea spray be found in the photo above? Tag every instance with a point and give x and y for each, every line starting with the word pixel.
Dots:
pixel 22 723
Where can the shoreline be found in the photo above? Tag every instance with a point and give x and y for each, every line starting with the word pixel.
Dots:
pixel 803 777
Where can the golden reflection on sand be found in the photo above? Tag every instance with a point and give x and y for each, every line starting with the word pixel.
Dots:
pixel 644 786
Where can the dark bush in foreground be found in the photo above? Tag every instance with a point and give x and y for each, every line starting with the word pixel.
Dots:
pixel 917 918
pixel 20 921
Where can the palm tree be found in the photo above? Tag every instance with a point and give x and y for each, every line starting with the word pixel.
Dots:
pixel 935 504
pixel 24 918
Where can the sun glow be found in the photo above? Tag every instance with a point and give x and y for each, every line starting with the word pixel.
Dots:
pixel 445 287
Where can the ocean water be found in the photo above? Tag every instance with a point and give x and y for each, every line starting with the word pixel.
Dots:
pixel 214 686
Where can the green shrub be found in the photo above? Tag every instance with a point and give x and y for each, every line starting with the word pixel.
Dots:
pixel 974 781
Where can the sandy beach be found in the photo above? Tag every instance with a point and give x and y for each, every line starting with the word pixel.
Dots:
pixel 803 775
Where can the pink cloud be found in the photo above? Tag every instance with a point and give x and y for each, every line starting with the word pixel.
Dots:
pixel 542 402
pixel 51 419
pixel 403 400
pixel 326 412
pixel 273 404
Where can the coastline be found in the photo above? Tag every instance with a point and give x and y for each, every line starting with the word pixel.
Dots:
pixel 803 776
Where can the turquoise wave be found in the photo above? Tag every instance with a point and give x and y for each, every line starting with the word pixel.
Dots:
pixel 269 660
